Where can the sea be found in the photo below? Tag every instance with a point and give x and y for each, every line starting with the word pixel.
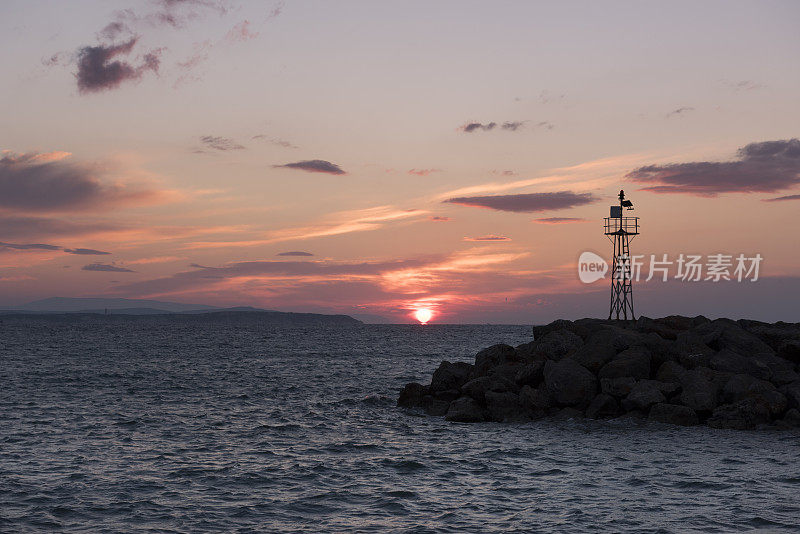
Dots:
pixel 126 426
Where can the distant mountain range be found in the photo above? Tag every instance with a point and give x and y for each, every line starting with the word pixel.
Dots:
pixel 143 307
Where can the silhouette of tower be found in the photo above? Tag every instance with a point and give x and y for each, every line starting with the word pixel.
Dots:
pixel 621 231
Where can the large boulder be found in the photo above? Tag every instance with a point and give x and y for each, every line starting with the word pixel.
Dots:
pixel 530 374
pixel 553 345
pixel 670 372
pixel 647 325
pixel 673 414
pixel 790 350
pixel 743 415
pixel 412 394
pixel 450 376
pixel 726 334
pixel 465 410
pixel 692 351
pixel 773 335
pixel 781 371
pixel 535 401
pixel 569 383
pixel 560 324
pixel 618 387
pixel 699 392
pixel 792 393
pixel 508 371
pixel 603 405
pixel 478 387
pixel 643 395
pixel 492 357
pixel 729 361
pixel 504 407
pixel 634 362
pixel 595 353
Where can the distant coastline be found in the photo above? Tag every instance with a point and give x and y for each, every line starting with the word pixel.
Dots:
pixel 157 316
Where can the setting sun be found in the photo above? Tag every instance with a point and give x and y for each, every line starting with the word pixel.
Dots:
pixel 423 315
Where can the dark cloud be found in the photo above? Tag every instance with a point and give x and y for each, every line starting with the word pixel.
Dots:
pixel 475 126
pixel 220 143
pixel 104 267
pixel 314 165
pixel 33 246
pixel 513 126
pixel 85 251
pixel 779 199
pixel 527 202
pixel 41 246
pixel 559 220
pixel 680 111
pixel 98 71
pixel 760 168
pixel 439 218
pixel 39 227
pixel 295 253
pixel 51 183
pixel 510 126
pixel 488 238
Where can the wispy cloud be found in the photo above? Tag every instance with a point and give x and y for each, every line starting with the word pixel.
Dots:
pixel 338 224
pixel 679 111
pixel 103 267
pixel 314 165
pixel 509 126
pixel 275 141
pixel 223 144
pixel 294 253
pixel 489 238
pixel 241 32
pixel 743 85
pixel 439 218
pixel 85 252
pixel 559 220
pixel 781 199
pixel 527 202
pixel 47 183
pixel 423 172
pixel 762 167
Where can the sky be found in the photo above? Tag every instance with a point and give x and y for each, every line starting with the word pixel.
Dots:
pixel 378 158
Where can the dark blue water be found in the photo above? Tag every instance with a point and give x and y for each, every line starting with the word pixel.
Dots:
pixel 183 428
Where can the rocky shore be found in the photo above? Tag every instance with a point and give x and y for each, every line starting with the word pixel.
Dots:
pixel 678 370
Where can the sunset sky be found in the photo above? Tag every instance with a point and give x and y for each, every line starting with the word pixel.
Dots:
pixel 374 158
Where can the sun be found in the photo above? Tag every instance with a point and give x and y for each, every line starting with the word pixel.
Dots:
pixel 423 315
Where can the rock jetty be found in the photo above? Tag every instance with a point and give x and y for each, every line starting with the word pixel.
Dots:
pixel 679 370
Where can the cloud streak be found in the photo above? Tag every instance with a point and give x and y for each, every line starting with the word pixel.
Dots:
pixel 489 238
pixel 222 144
pixel 527 202
pixel 294 253
pixel 43 183
pixel 103 267
pixel 762 167
pixel 559 220
pixel 313 165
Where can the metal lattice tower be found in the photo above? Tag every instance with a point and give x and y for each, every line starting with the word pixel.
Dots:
pixel 621 231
